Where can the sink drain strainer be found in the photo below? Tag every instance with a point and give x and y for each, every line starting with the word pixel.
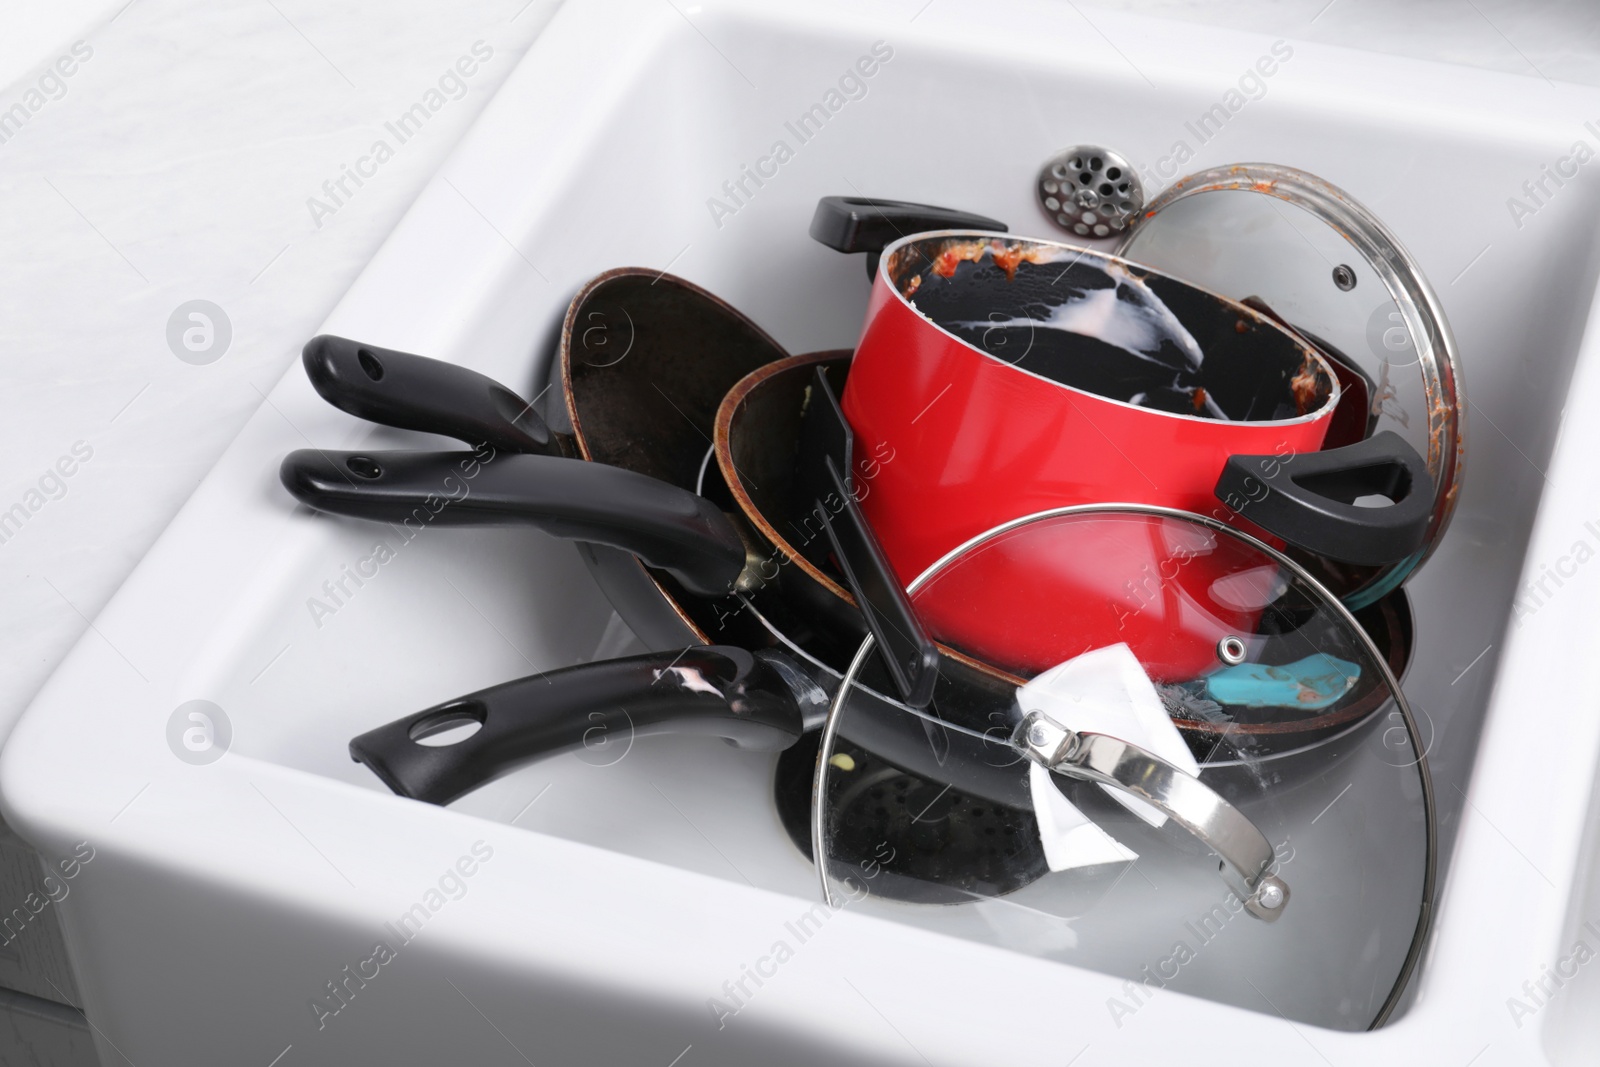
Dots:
pixel 1090 191
pixel 912 840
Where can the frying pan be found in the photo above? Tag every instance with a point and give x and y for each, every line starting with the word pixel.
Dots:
pixel 767 700
pixel 643 361
pixel 652 522
pixel 684 534
pixel 426 395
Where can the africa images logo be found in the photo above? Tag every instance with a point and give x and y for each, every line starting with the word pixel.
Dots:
pixel 198 732
pixel 199 332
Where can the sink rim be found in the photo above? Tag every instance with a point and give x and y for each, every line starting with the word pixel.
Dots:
pixel 45 801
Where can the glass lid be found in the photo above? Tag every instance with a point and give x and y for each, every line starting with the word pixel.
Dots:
pixel 1157 749
pixel 1329 268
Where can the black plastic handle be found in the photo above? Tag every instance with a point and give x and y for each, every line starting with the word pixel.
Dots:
pixel 666 527
pixel 1308 498
pixel 711 689
pixel 862 224
pixel 417 393
pixel 827 445
pixel 906 648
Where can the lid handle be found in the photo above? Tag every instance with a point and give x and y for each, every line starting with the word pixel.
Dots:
pixel 1244 850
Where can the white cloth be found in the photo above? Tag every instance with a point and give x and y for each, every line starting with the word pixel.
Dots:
pixel 1069 838
pixel 1105 692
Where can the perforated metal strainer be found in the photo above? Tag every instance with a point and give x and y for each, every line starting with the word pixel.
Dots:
pixel 1090 191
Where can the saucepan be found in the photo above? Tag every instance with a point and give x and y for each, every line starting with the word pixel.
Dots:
pixel 1010 375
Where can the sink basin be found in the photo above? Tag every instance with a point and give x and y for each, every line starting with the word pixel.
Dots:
pixel 591 909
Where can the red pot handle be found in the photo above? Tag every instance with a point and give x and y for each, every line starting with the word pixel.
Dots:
pixel 1309 498
pixel 862 224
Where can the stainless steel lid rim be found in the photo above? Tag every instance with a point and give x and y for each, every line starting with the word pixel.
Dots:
pixel 1419 306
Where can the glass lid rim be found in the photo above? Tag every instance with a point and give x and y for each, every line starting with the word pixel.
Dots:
pixel 830 725
pixel 1420 309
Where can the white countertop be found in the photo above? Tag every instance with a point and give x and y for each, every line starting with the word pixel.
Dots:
pixel 179 160
pixel 177 164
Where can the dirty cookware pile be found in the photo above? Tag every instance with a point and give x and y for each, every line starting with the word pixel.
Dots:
pixel 1069 565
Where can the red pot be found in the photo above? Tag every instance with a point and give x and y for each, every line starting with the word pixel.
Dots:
pixel 998 377
pixel 980 436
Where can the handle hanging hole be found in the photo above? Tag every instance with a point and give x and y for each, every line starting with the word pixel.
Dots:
pixel 369 364
pixel 364 467
pixel 449 725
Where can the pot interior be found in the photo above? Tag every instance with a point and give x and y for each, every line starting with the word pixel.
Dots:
pixel 1109 327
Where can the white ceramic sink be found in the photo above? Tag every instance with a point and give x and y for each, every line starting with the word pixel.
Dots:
pixel 615 891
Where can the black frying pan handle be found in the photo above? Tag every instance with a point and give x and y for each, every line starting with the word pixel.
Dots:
pixel 825 470
pixel 862 224
pixel 710 689
pixel 667 527
pixel 906 648
pixel 417 393
pixel 1308 498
